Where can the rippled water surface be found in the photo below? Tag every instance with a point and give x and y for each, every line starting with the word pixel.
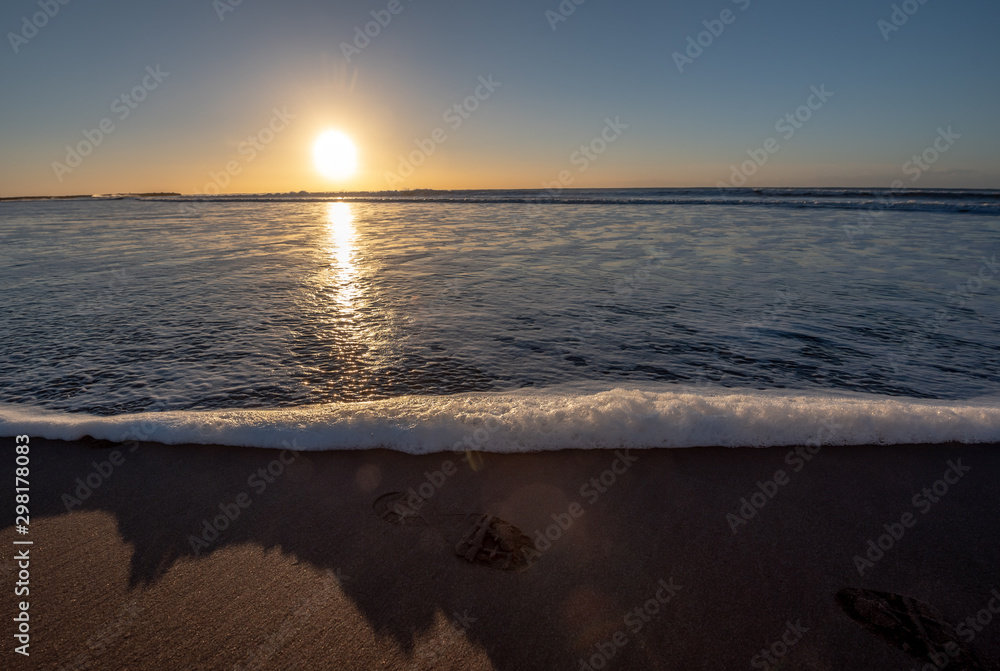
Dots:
pixel 112 306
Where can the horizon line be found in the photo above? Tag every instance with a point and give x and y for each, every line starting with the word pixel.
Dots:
pixel 155 194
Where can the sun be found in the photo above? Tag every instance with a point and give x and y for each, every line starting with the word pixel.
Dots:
pixel 335 155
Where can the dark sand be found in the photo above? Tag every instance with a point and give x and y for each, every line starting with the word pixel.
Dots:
pixel 309 576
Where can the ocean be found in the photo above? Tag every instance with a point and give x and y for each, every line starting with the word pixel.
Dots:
pixel 504 321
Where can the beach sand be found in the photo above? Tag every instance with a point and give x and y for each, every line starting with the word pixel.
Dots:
pixel 308 575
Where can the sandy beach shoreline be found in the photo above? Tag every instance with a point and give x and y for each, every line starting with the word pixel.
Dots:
pixel 195 557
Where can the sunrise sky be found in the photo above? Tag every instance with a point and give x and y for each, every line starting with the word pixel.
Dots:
pixel 221 73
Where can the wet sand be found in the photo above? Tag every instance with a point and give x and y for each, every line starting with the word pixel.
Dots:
pixel 194 557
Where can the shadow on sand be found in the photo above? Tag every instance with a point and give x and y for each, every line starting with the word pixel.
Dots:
pixel 641 567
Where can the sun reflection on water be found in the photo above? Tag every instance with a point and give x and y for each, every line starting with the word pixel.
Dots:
pixel 341 236
pixel 345 327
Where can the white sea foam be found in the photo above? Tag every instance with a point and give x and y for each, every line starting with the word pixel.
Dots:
pixel 551 419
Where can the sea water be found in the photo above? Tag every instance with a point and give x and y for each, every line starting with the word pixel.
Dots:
pixel 505 320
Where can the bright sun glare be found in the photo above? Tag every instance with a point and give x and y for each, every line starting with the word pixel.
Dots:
pixel 335 155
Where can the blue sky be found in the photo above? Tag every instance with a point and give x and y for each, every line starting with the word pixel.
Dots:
pixel 229 76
